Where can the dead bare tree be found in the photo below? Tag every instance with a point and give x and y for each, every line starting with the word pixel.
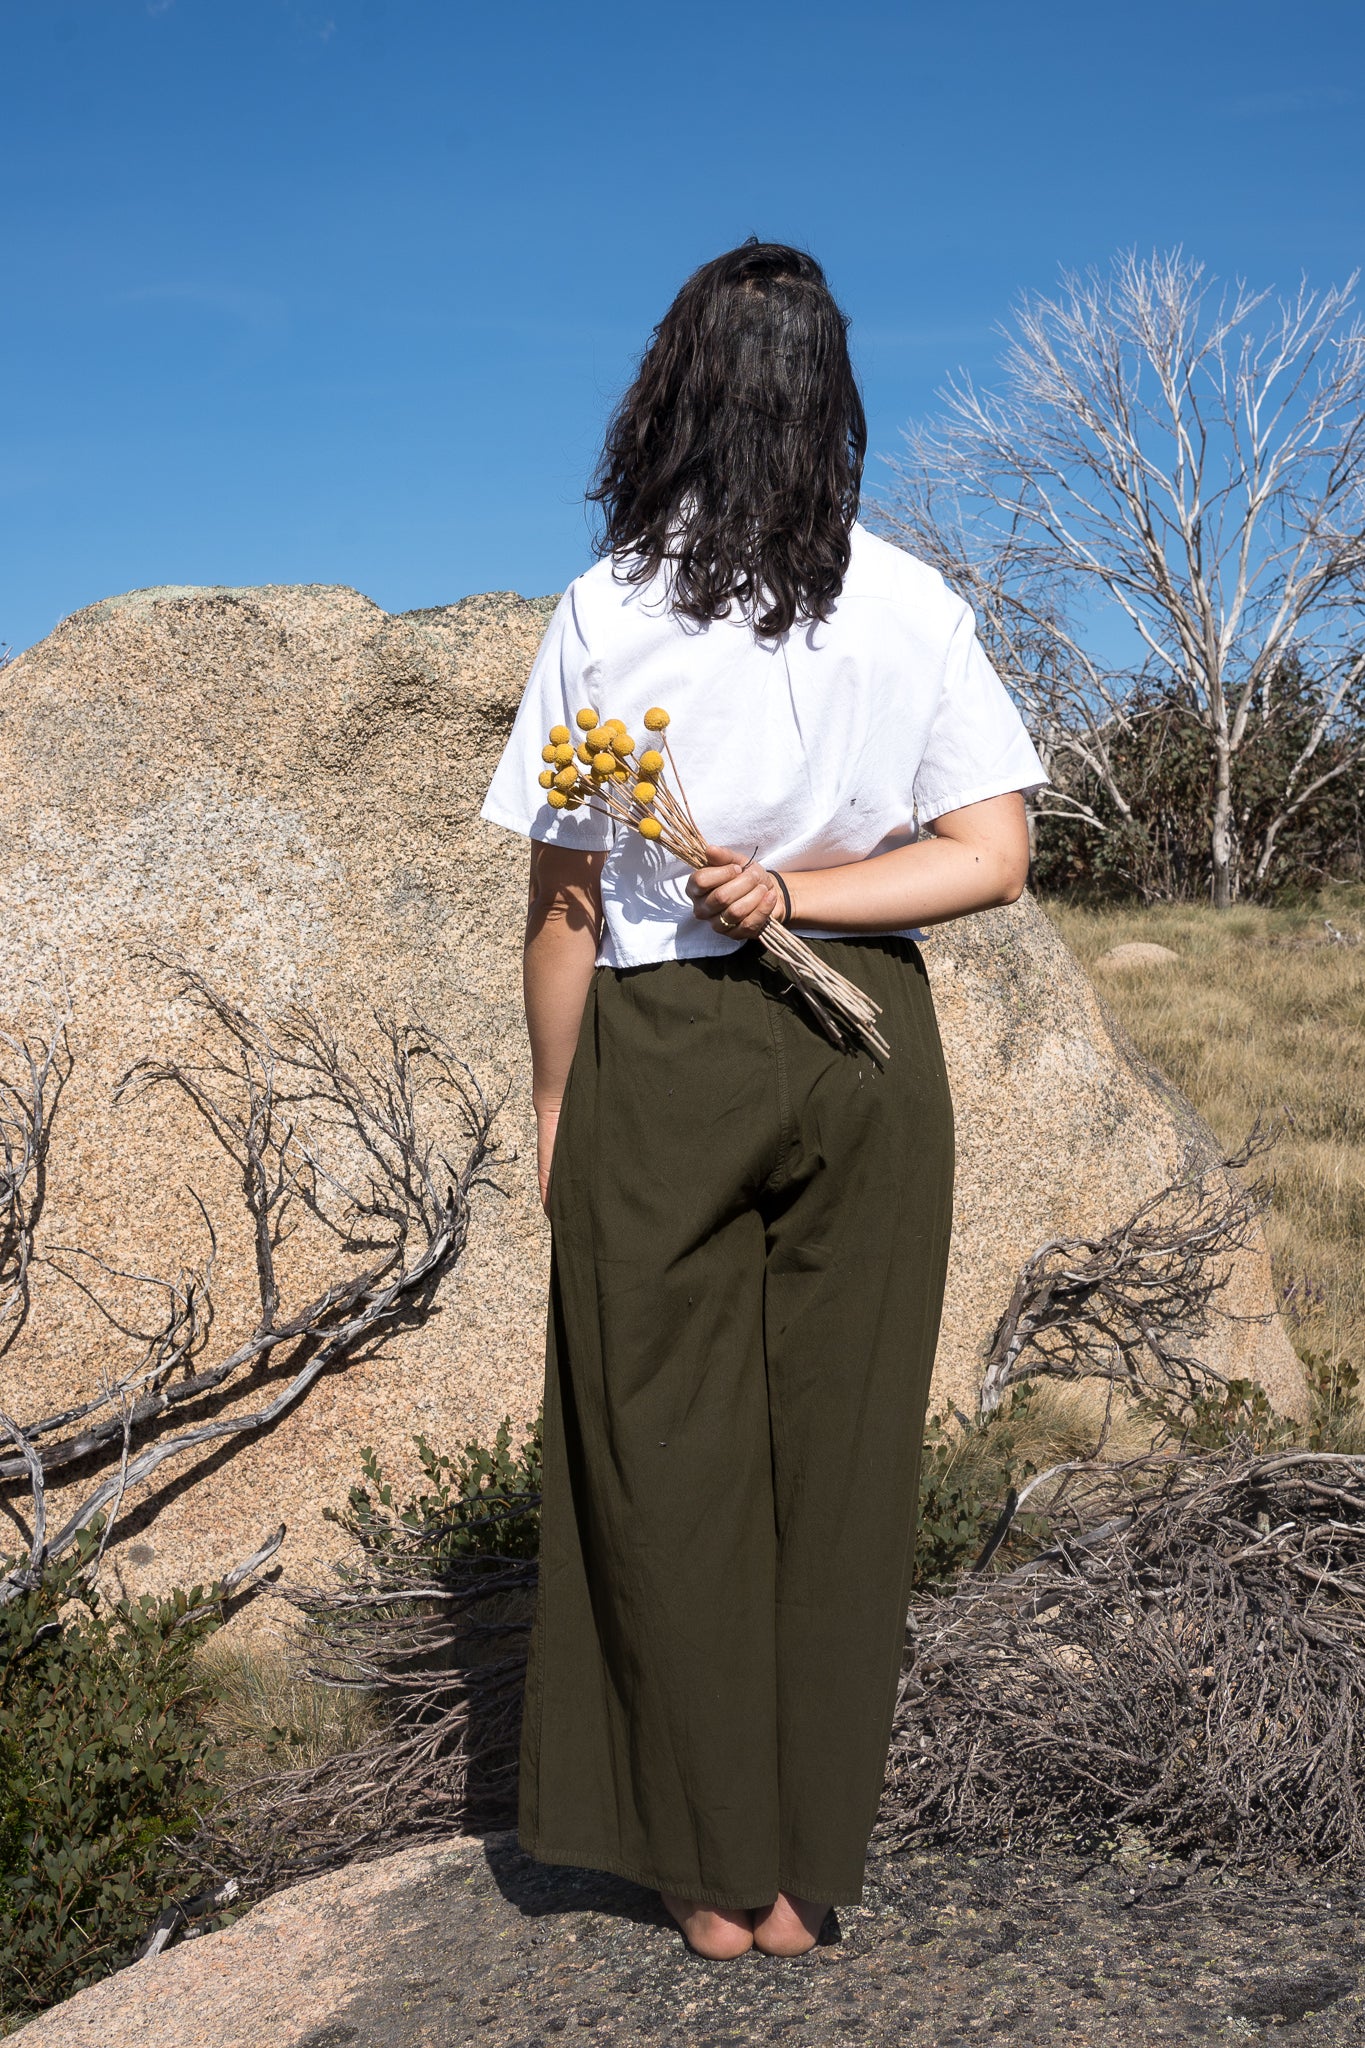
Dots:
pixel 1132 1306
pixel 1073 704
pixel 1197 459
pixel 309 1129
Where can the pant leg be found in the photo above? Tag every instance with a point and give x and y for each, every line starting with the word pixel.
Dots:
pixel 749 1238
pixel 649 1737
pixel 858 1221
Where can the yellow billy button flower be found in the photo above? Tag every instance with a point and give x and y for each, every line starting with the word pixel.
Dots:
pixel 604 763
pixel 622 744
pixel 651 763
pixel 599 739
pixel 655 719
pixel 547 754
pixel 585 756
pixel 564 753
pixel 557 798
pixel 559 733
pixel 585 719
pixel 620 775
pixel 546 778
pixel 566 778
pixel 644 793
pixel 650 828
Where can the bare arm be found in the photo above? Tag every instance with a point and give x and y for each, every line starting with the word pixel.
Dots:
pixel 563 921
pixel 977 857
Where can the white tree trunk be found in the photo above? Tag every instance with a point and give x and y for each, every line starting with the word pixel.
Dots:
pixel 1220 840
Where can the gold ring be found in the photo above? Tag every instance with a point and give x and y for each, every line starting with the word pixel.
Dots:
pixel 725 921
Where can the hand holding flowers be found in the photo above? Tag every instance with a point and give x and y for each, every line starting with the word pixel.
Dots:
pixel 738 896
pixel 603 770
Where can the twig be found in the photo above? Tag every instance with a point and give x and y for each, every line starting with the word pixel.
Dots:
pixel 21 1581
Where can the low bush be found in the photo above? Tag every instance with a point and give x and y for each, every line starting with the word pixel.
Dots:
pixel 1184 1660
pixel 970 1473
pixel 104 1771
pixel 1180 1659
pixel 482 1504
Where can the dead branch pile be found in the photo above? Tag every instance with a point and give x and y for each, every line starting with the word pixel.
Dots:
pixel 1193 1668
pixel 438 1642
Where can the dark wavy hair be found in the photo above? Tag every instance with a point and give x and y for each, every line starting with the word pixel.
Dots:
pixel 737 453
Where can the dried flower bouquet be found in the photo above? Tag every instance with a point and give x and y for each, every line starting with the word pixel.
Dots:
pixel 603 770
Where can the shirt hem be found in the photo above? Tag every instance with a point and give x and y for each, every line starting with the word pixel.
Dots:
pixel 720 951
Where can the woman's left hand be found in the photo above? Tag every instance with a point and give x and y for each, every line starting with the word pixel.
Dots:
pixel 736 896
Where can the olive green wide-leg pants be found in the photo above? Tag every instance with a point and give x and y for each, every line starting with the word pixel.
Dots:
pixel 750 1231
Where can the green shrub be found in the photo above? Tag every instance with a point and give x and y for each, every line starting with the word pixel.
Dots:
pixel 482 1504
pixel 102 1766
pixel 1336 1421
pixel 1159 851
pixel 427 1630
pixel 968 1473
pixel 1240 1411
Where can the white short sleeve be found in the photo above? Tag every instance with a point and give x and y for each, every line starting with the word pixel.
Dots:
pixel 977 745
pixel 560 683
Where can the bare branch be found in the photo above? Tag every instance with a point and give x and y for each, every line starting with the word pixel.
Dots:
pixel 29 1094
pixel 347 1142
pixel 1187 1659
pixel 1131 1306
pixel 19 1580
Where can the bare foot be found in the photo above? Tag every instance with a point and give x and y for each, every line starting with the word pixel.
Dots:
pixel 789 1926
pixel 712 1931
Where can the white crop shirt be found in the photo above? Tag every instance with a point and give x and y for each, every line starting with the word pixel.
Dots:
pixel 837 741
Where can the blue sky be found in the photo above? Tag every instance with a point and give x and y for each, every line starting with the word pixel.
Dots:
pixel 341 290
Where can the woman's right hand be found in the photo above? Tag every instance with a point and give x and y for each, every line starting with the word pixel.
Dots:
pixel 736 895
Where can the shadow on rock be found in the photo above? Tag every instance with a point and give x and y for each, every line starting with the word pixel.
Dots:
pixel 536 1889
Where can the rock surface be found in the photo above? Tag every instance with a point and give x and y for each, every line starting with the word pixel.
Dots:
pixel 1138 953
pixel 469 1941
pixel 282 785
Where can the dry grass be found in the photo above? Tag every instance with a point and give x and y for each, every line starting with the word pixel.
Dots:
pixel 1265 1014
pixel 267 1716
pixel 1060 1420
